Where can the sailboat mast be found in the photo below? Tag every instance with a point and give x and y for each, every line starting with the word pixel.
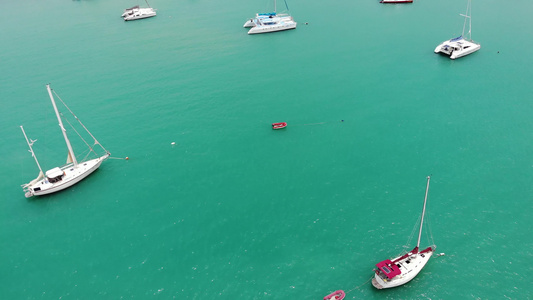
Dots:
pixel 470 19
pixel 63 130
pixel 423 212
pixel 31 149
pixel 275 6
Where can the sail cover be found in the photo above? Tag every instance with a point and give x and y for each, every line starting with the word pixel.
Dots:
pixel 388 268
pixel 55 172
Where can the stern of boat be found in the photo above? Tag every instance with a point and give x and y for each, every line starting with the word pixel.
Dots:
pixel 376 284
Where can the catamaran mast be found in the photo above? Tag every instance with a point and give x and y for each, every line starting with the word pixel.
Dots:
pixel 423 212
pixel 31 149
pixel 70 151
pixel 468 16
pixel 275 6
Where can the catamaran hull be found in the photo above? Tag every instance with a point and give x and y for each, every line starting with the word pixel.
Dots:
pixel 457 54
pixel 266 29
pixel 408 273
pixel 132 18
pixel 448 50
pixel 72 176
pixel 249 23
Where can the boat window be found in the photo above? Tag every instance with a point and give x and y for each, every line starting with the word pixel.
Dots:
pixel 55 179
pixel 387 270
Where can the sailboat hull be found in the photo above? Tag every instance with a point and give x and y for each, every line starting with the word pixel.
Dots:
pixel 409 266
pixel 72 175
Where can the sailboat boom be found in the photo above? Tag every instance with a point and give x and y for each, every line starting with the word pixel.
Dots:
pixel 31 149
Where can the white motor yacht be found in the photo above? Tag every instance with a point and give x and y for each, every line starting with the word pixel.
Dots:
pixel 460 46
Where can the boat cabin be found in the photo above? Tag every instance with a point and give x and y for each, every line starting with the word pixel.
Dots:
pixel 388 268
pixel 54 175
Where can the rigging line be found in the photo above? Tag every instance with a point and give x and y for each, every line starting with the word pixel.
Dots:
pixel 64 118
pixel 413 231
pixel 358 287
pixel 95 140
pixel 429 232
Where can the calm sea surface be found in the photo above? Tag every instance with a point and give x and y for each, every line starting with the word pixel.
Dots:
pixel 235 210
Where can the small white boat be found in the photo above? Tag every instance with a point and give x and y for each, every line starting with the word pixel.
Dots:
pixel 136 13
pixel 396 1
pixel 270 22
pixel 60 178
pixel 460 46
pixel 402 269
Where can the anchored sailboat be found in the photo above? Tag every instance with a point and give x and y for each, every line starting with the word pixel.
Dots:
pixel 462 45
pixel 60 178
pixel 400 270
pixel 136 12
pixel 270 22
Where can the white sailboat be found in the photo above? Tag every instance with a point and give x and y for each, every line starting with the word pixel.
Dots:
pixel 60 178
pixel 136 12
pixel 396 1
pixel 402 269
pixel 270 22
pixel 462 45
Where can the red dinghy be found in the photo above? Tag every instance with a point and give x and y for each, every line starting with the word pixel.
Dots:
pixel 337 295
pixel 279 125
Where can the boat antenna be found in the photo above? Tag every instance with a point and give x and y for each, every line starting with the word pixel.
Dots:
pixel 63 130
pixel 467 16
pixel 423 212
pixel 31 149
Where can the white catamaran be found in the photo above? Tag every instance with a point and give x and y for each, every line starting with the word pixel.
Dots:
pixel 463 45
pixel 136 12
pixel 60 178
pixel 270 22
pixel 402 269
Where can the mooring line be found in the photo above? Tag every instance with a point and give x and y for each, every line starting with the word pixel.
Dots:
pixel 357 287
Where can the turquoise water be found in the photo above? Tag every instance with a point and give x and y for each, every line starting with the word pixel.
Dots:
pixel 237 210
